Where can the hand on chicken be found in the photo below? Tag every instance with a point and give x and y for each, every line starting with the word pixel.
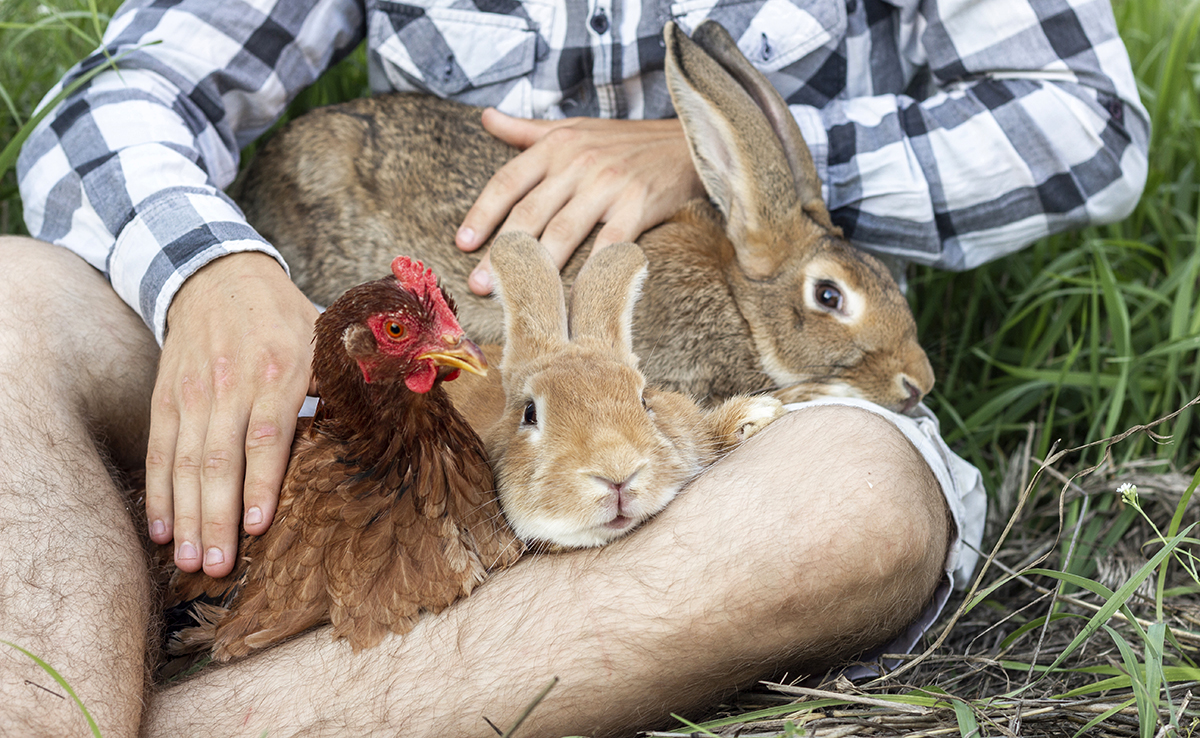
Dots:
pixel 388 507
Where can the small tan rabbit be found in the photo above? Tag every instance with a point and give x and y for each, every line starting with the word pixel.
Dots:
pixel 756 290
pixel 584 451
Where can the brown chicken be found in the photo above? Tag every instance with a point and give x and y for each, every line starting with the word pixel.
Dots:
pixel 388 507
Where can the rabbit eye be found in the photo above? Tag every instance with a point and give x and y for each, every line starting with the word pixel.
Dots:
pixel 530 416
pixel 644 405
pixel 828 296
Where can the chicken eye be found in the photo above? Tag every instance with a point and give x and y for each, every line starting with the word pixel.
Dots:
pixel 530 416
pixel 828 296
pixel 396 330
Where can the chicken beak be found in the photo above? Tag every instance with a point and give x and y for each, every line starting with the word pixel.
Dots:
pixel 460 353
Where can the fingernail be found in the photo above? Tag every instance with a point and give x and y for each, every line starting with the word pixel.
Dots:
pixel 465 236
pixel 254 516
pixel 158 529
pixel 186 551
pixel 214 556
pixel 481 279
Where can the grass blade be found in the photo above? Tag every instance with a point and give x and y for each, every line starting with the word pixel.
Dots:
pixel 1120 596
pixel 1147 702
pixel 62 683
pixel 9 155
pixel 1102 717
pixel 967 725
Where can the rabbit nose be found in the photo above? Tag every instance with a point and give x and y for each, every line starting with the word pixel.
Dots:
pixel 618 491
pixel 618 487
pixel 914 395
pixel 618 502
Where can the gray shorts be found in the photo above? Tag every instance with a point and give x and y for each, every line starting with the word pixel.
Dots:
pixel 961 483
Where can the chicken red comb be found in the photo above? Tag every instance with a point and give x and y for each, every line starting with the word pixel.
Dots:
pixel 413 276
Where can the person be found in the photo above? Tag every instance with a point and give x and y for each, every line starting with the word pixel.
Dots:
pixel 147 321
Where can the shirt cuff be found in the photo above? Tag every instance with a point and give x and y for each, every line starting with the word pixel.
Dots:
pixel 169 238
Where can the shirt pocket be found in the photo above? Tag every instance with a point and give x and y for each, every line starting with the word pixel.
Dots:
pixel 772 33
pixel 446 51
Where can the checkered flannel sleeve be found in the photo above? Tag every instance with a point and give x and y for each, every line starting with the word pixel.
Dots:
pixel 142 202
pixel 1023 119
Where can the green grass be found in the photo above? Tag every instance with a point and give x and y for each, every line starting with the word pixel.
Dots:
pixel 1085 334
pixel 53 673
pixel 38 43
pixel 1066 343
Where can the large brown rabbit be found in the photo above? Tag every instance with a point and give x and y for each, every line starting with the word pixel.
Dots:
pixel 756 290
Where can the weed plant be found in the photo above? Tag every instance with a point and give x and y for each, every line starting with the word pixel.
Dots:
pixel 1066 343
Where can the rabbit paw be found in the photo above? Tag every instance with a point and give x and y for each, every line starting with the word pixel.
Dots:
pixel 740 417
pixel 758 413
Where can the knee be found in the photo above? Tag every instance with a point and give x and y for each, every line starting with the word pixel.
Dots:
pixel 831 530
pixel 64 332
pixel 38 277
pixel 873 521
pixel 35 309
pixel 29 293
pixel 904 524
pixel 51 301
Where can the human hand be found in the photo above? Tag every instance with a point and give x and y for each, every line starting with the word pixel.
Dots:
pixel 630 175
pixel 234 369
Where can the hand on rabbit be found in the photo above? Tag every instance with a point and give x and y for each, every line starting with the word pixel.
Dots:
pixel 574 174
pixel 749 288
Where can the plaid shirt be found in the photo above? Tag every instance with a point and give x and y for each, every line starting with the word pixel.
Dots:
pixel 948 132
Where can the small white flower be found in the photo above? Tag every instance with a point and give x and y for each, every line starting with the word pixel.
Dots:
pixel 1129 495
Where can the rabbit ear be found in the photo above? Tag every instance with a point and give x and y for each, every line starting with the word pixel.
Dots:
pixel 604 295
pixel 744 142
pixel 714 39
pixel 527 282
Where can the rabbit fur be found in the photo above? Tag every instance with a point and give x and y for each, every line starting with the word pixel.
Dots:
pixel 584 451
pixel 753 289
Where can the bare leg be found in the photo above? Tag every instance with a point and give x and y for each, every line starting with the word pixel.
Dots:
pixel 76 365
pixel 823 535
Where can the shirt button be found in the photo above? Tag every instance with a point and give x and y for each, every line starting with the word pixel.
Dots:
pixel 599 22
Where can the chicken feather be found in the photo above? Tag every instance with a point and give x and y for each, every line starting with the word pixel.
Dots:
pixel 388 507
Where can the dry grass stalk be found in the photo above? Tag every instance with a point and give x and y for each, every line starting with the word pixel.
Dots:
pixel 981 659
